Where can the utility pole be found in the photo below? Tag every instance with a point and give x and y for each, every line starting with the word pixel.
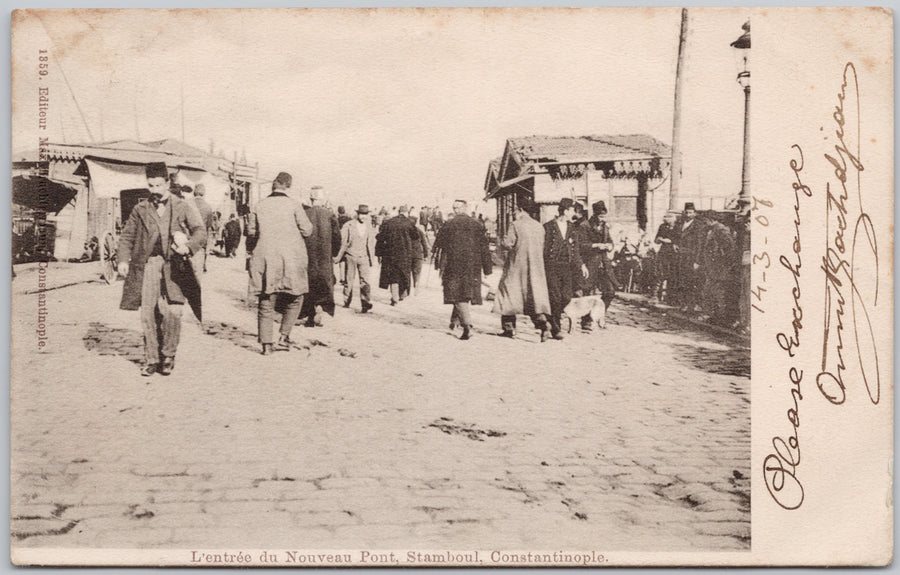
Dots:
pixel 675 170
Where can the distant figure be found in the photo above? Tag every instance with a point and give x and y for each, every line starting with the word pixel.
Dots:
pixel 358 250
pixel 91 251
pixel 394 245
pixel 461 252
pixel 666 258
pixel 154 250
pixel 342 218
pixel 718 269
pixel 278 262
pixel 523 286
pixel 208 217
pixel 321 246
pixel 232 236
pixel 421 250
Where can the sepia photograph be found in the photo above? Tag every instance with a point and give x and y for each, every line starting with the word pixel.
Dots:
pixel 395 287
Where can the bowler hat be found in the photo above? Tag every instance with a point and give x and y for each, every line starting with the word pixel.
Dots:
pixel 157 170
pixel 362 209
pixel 565 204
pixel 599 207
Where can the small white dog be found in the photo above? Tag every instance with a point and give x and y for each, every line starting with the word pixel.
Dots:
pixel 588 305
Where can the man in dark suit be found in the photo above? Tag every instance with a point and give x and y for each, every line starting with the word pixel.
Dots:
pixel 691 233
pixel 561 254
pixel 597 253
pixel 154 256
pixel 393 245
pixel 462 252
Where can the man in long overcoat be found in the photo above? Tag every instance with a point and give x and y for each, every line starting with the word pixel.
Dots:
pixel 562 254
pixel 462 253
pixel 691 234
pixel 321 246
pixel 157 268
pixel 394 246
pixel 523 286
pixel 278 261
pixel 718 269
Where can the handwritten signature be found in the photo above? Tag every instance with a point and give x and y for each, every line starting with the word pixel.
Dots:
pixel 855 278
pixel 780 467
pixel 860 272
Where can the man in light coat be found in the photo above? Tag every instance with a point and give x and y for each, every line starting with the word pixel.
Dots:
pixel 206 214
pixel 278 261
pixel 357 250
pixel 157 267
pixel 523 285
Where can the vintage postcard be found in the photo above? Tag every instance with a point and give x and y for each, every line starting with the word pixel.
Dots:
pixel 452 287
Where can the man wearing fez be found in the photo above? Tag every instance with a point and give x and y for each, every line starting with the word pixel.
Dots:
pixel 561 255
pixel 598 253
pixel 523 286
pixel 462 253
pixel 394 245
pixel 160 236
pixel 357 250
pixel 690 235
pixel 278 261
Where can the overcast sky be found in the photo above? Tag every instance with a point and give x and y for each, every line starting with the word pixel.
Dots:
pixel 390 106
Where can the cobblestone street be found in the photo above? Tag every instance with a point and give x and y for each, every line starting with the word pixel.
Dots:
pixel 379 431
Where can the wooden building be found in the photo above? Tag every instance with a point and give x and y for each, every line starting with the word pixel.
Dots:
pixel 629 173
pixel 88 190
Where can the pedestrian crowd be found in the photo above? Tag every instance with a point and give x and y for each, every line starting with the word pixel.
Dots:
pixel 563 269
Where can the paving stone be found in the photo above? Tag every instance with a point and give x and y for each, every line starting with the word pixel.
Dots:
pixel 313 449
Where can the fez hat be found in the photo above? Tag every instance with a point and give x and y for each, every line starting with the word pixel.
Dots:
pixel 157 170
pixel 599 207
pixel 284 179
pixel 403 209
pixel 362 209
pixel 689 206
pixel 316 193
pixel 565 204
pixel 526 204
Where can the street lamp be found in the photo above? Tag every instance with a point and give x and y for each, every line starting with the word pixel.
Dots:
pixel 742 51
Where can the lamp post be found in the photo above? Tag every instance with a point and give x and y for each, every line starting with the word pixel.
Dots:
pixel 742 51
